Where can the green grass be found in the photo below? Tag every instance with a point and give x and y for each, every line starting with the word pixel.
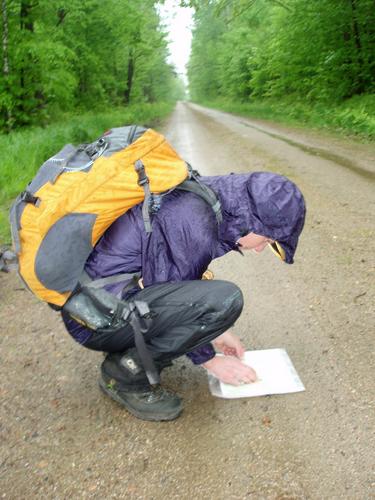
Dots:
pixel 24 151
pixel 355 116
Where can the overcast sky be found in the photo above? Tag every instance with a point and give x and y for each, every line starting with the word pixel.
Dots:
pixel 178 22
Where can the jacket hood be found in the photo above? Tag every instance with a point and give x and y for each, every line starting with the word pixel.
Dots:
pixel 262 202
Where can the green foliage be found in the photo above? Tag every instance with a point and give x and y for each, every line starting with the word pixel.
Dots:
pixel 320 51
pixel 81 54
pixel 204 67
pixel 23 152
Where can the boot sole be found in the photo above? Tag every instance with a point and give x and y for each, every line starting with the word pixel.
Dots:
pixel 151 418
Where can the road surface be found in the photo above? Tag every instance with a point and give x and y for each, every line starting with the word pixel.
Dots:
pixel 62 438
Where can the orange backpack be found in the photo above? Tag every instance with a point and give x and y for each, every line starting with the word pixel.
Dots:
pixel 79 192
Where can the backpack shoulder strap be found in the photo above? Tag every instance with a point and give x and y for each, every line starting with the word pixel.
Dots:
pixel 207 194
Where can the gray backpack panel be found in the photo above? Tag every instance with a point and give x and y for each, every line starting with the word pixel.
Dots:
pixel 56 269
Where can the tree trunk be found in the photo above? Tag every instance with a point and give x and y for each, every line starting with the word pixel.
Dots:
pixel 129 81
pixel 61 14
pixel 357 40
pixel 26 24
pixel 8 111
pixel 5 39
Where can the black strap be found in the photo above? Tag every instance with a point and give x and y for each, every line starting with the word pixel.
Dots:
pixel 28 197
pixel 139 320
pixel 143 181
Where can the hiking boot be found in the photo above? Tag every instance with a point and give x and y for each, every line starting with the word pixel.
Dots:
pixel 153 404
pixel 124 380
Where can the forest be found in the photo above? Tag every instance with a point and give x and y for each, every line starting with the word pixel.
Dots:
pixel 85 54
pixel 278 55
pixel 288 57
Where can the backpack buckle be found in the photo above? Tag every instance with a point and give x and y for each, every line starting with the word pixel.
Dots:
pixel 28 197
pixel 142 177
pixel 143 180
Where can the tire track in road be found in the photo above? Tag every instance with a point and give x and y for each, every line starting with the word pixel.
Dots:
pixel 322 153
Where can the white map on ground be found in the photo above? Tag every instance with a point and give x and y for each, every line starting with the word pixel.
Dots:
pixel 275 371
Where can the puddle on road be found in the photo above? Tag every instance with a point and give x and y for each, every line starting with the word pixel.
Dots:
pixel 322 153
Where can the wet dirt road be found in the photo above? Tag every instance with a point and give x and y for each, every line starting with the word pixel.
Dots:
pixel 61 438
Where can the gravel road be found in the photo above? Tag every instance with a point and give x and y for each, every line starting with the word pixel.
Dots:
pixel 62 438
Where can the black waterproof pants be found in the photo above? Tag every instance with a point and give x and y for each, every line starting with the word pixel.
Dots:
pixel 186 315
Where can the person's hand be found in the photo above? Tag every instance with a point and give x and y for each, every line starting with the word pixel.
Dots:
pixel 229 344
pixel 230 370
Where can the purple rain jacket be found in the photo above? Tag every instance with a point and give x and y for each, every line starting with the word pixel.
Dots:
pixel 185 236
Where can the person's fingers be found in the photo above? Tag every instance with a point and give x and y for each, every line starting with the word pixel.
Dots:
pixel 232 371
pixel 238 347
pixel 238 383
pixel 230 351
pixel 248 374
pixel 252 376
pixel 240 350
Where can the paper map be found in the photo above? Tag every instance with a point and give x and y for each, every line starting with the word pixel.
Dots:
pixel 276 375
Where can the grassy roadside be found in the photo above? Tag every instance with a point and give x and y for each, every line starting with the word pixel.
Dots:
pixel 356 116
pixel 22 152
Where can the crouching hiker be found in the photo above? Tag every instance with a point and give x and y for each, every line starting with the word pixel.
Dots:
pixel 117 234
pixel 171 311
